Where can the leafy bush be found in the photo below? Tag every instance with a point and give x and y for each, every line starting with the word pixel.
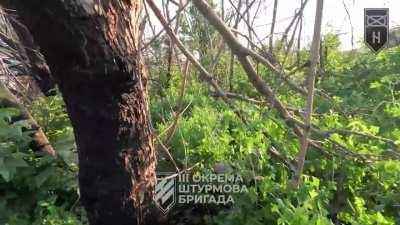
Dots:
pixel 38 190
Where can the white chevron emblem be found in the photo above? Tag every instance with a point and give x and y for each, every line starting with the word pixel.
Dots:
pixel 165 192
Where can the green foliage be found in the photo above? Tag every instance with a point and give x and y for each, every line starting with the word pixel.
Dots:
pixel 364 97
pixel 362 217
pixel 38 190
pixel 55 122
pixel 359 186
pixel 272 202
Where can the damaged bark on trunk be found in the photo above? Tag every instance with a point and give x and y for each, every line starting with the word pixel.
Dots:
pixel 91 47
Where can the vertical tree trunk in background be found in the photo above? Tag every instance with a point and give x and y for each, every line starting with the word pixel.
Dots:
pixel 314 60
pixel 271 37
pixel 92 47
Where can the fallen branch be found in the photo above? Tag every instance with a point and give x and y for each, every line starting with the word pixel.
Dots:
pixel 242 52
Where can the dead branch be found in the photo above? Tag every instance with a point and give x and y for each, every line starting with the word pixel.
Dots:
pixel 298 14
pixel 351 24
pixel 204 75
pixel 168 23
pixel 271 37
pixel 242 52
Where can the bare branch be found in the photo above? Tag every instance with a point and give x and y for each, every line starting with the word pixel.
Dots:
pixel 204 75
pixel 242 52
pixel 351 24
pixel 298 14
pixel 271 37
pixel 182 7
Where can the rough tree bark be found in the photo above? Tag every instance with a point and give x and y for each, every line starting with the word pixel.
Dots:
pixel 91 47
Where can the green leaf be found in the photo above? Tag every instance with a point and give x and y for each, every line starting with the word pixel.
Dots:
pixel 16 162
pixel 9 167
pixel 43 176
pixel 5 173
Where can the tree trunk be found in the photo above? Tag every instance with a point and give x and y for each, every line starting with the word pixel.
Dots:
pixel 92 47
pixel 313 69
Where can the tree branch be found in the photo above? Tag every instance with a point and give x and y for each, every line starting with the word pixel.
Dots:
pixel 314 58
pixel 204 75
pixel 242 52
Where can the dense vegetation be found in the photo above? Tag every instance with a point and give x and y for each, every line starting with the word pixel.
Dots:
pixel 357 187
pixel 354 179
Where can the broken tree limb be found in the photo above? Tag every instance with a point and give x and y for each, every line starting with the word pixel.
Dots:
pixel 238 48
pixel 242 52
